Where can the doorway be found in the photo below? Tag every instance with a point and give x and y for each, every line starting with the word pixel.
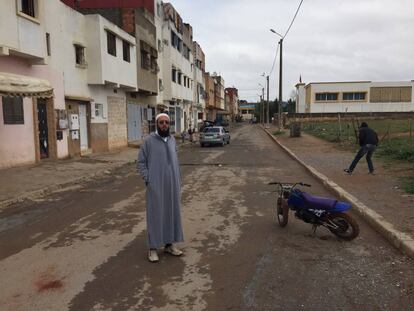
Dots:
pixel 83 127
pixel 43 129
pixel 134 122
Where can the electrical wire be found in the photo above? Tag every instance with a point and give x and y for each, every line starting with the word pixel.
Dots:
pixel 274 60
pixel 294 17
pixel 290 26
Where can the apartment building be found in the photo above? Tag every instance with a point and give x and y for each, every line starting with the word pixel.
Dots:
pixel 211 109
pixel 177 68
pixel 357 96
pixel 67 58
pixel 138 19
pixel 232 100
pixel 199 106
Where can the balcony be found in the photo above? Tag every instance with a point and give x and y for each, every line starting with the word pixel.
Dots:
pixel 22 35
pixel 112 54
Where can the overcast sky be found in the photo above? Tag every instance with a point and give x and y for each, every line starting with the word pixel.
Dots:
pixel 331 40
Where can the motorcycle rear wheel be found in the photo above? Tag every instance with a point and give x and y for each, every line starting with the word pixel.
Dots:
pixel 282 212
pixel 348 228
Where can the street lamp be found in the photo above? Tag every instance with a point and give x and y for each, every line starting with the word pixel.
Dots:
pixel 280 79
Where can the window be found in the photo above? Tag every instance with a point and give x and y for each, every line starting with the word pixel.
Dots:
pixel 353 96
pixel 390 94
pixel 145 60
pixel 179 77
pixel 158 9
pixel 154 65
pixel 126 51
pixel 13 110
pixel 186 51
pixel 80 55
pixel 160 86
pixel 99 111
pixel 28 7
pixel 48 43
pixel 326 96
pixel 173 75
pixel 111 42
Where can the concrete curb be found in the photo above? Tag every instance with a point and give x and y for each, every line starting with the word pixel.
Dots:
pixel 398 239
pixel 37 194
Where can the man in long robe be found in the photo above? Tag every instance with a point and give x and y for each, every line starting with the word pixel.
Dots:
pixel 159 167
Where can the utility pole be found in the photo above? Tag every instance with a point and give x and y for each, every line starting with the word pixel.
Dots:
pixel 267 115
pixel 280 86
pixel 263 110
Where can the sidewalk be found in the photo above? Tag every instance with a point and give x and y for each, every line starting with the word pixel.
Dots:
pixel 19 183
pixel 31 182
pixel 380 192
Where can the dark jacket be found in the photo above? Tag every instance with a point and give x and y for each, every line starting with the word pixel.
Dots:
pixel 367 136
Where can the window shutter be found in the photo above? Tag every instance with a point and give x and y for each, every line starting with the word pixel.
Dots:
pixel 13 112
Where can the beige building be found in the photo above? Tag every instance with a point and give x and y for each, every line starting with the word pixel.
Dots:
pixel 359 96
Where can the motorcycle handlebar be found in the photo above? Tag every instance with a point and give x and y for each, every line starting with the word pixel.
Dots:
pixel 293 184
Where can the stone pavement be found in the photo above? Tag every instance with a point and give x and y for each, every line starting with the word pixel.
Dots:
pixel 380 192
pixel 35 181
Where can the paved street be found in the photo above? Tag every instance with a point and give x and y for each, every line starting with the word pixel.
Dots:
pixel 84 249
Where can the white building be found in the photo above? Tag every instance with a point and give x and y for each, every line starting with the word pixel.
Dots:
pixel 360 96
pixel 176 71
pixel 99 62
pixel 199 105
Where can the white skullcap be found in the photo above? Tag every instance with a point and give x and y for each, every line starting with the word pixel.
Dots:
pixel 162 115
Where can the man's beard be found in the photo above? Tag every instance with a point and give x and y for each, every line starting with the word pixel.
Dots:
pixel 163 133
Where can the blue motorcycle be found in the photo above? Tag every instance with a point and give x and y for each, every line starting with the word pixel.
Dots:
pixel 318 211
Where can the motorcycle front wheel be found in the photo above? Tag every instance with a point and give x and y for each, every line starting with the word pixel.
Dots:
pixel 282 212
pixel 343 226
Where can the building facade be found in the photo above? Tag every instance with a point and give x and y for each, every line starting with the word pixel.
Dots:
pixel 138 19
pixel 232 99
pixel 199 107
pixel 177 68
pixel 211 110
pixel 88 63
pixel 361 96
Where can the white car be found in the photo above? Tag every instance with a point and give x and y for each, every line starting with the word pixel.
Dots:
pixel 214 135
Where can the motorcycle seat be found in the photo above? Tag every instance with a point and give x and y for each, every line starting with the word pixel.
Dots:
pixel 316 202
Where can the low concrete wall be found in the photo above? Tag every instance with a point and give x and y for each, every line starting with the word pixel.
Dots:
pixel 312 117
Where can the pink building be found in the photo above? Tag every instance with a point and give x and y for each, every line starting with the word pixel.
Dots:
pixel 31 92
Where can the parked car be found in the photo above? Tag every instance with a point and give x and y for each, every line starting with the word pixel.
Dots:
pixel 206 124
pixel 214 135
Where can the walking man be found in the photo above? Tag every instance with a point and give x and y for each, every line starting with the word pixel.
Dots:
pixel 158 166
pixel 368 140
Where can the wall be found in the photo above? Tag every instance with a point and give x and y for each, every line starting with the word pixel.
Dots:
pixel 17 141
pixel 145 31
pixel 113 69
pixel 22 34
pixel 19 66
pixel 117 123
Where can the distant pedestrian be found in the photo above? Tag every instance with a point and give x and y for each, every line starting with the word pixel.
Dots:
pixel 368 140
pixel 158 165
pixel 190 133
pixel 183 134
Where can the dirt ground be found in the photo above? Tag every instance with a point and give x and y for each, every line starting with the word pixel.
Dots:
pixel 380 192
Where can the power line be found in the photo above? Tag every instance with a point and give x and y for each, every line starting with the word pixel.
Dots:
pixel 293 18
pixel 274 60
